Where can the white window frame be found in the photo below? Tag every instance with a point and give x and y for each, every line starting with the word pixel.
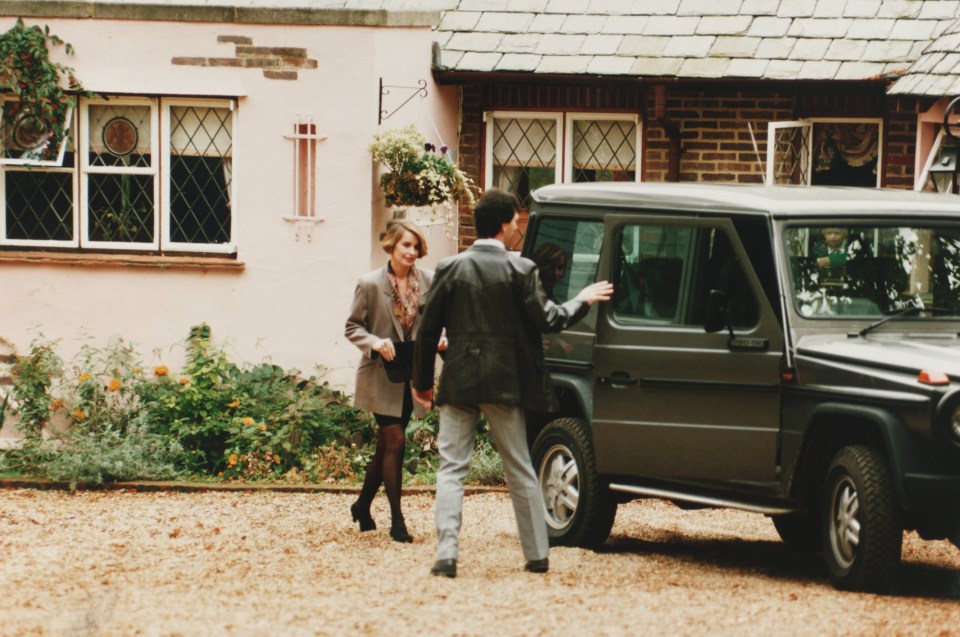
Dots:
pixel 488 118
pixel 83 149
pixel 167 127
pixel 16 165
pixel 571 117
pixel 812 122
pixel 61 151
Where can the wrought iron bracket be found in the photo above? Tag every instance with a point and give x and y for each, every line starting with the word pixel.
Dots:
pixel 420 89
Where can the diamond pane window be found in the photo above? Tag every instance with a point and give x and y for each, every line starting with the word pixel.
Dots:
pixel 119 135
pixel 524 153
pixel 39 205
pixel 200 174
pixel 121 208
pixel 604 150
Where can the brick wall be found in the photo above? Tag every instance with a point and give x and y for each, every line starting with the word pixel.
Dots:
pixel 714 125
pixel 276 62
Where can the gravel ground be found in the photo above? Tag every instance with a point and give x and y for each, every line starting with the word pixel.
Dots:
pixel 270 563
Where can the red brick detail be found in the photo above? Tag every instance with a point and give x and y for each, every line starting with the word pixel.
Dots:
pixel 280 75
pixel 278 62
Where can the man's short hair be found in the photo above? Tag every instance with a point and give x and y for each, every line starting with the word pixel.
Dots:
pixel 494 208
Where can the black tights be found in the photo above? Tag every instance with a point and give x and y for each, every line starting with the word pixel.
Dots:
pixel 386 466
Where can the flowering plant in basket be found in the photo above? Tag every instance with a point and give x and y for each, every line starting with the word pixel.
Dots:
pixel 418 173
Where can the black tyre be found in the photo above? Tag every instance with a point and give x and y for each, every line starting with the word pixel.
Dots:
pixel 799 531
pixel 861 527
pixel 578 504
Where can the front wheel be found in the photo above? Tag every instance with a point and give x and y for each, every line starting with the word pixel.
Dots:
pixel 861 528
pixel 579 506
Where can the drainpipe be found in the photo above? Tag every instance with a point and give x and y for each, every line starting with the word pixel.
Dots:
pixel 670 128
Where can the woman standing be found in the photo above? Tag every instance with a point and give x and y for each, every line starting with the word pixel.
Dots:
pixel 386 309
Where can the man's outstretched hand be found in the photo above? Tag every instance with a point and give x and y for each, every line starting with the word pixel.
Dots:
pixel 599 291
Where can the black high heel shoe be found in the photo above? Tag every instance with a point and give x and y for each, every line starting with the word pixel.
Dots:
pixel 363 517
pixel 398 531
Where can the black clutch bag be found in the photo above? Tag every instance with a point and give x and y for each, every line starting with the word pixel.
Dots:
pixel 400 369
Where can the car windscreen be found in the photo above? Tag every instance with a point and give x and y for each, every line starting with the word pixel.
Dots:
pixel 844 269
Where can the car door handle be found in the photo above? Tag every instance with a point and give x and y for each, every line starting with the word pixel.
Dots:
pixel 618 379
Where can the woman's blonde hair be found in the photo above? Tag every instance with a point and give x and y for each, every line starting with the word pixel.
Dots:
pixel 395 230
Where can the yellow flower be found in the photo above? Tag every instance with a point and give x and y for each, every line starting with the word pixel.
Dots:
pixel 161 370
pixel 114 384
pixel 78 414
pixel 137 370
pixel 263 427
pixel 247 420
pixel 234 404
pixel 184 381
pixel 232 460
pixel 84 377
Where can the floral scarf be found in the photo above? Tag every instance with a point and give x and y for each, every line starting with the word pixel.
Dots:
pixel 406 306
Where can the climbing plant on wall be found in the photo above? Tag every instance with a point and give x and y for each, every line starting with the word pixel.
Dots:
pixel 27 71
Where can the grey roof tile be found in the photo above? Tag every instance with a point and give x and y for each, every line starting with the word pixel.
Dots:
pixel 660 25
pixel 610 65
pixel 583 23
pixel 518 62
pixel 707 67
pixel 746 68
pixel 724 25
pixel 557 44
pixel 504 22
pixel 861 8
pixel 564 64
pixel 770 27
pixel 656 66
pixel 601 45
pixel 772 39
pixel 734 47
pixel 708 7
pixel 899 9
pixel 694 46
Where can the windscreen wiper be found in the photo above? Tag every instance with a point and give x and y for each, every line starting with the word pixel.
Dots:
pixel 898 314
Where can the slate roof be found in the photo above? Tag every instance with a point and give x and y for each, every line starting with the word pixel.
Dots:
pixel 746 39
pixel 937 72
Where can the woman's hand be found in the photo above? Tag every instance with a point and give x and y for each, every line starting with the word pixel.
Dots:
pixel 384 347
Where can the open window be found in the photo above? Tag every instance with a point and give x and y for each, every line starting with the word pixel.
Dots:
pixel 825 152
pixel 26 140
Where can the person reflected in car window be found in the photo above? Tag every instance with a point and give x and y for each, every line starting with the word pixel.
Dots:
pixel 831 250
pixel 551 262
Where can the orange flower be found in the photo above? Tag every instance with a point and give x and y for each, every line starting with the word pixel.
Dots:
pixel 184 381
pixel 247 420
pixel 263 427
pixel 78 414
pixel 56 404
pixel 114 384
pixel 234 404
pixel 160 370
pixel 232 460
pixel 84 377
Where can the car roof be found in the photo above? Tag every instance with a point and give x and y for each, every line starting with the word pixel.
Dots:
pixel 775 201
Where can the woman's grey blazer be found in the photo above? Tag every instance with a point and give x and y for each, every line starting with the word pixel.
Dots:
pixel 372 318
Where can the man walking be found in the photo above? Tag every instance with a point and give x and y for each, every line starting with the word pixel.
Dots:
pixel 494 310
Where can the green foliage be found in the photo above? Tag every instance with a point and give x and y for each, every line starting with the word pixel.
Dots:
pixel 33 377
pixel 418 174
pixel 26 71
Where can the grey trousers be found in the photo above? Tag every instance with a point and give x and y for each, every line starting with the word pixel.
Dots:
pixel 456 441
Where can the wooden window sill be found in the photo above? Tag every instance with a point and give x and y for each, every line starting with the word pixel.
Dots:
pixel 121 260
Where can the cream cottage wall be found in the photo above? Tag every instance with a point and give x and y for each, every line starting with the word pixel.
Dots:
pixel 284 297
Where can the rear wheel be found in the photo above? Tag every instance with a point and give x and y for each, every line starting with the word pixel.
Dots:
pixel 861 528
pixel 579 506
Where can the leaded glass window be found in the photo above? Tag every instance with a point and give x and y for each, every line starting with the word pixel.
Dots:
pixel 524 153
pixel 603 150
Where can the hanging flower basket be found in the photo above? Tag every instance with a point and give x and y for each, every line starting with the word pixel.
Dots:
pixel 418 174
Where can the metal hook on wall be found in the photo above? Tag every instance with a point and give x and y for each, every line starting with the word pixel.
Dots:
pixel 420 89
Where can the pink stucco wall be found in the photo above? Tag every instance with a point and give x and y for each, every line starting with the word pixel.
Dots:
pixel 289 302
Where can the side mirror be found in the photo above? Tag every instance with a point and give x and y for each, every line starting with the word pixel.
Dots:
pixel 717 310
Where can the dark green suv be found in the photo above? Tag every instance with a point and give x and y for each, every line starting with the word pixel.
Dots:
pixel 793 351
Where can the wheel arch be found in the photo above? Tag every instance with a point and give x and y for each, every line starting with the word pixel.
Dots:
pixel 575 396
pixel 836 425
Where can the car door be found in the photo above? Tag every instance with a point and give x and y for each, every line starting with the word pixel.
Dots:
pixel 670 399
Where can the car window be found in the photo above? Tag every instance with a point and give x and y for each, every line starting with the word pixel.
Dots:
pixel 843 269
pixel 665 273
pixel 567 253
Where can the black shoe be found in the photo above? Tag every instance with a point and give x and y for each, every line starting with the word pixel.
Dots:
pixel 537 566
pixel 447 568
pixel 398 531
pixel 363 517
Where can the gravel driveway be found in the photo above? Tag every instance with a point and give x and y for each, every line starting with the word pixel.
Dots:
pixel 269 563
